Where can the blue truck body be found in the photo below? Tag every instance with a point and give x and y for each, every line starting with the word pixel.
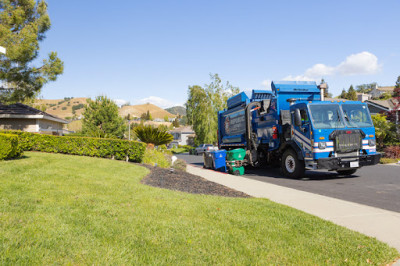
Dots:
pixel 292 126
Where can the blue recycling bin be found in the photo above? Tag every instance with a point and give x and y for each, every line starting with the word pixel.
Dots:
pixel 219 158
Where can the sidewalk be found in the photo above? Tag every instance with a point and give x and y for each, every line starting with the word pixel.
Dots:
pixel 381 224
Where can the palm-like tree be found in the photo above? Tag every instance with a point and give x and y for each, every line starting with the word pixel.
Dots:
pixel 153 135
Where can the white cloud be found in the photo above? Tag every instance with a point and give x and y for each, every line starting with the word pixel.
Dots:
pixel 120 102
pixel 364 63
pixel 160 102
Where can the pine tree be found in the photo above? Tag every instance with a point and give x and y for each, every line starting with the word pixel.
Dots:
pixel 101 119
pixel 343 95
pixel 23 24
pixel 351 94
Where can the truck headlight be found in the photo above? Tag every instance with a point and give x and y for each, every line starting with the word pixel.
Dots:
pixel 321 145
pixel 371 142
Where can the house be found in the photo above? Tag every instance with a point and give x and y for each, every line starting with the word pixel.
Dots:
pixel 182 136
pixel 23 117
pixel 362 97
pixel 382 106
pixel 379 91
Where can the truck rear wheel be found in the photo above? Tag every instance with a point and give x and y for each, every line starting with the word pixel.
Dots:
pixel 347 172
pixel 291 166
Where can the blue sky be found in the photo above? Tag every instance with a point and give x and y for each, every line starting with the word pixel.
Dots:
pixel 151 51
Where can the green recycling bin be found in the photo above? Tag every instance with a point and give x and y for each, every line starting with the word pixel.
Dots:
pixel 236 155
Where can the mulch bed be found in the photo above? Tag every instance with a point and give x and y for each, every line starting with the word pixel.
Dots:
pixel 183 181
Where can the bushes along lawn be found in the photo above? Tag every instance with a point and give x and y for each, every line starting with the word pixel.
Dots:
pixel 9 146
pixel 61 209
pixel 94 147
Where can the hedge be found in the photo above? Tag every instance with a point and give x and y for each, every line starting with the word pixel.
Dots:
pixel 9 146
pixel 94 147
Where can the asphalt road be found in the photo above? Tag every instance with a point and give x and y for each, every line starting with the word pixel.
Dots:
pixel 377 186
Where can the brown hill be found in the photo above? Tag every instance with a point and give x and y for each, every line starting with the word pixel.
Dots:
pixel 138 110
pixel 62 108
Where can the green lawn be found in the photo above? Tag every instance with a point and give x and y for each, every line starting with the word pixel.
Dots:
pixel 62 209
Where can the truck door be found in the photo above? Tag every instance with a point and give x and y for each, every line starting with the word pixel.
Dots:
pixel 302 133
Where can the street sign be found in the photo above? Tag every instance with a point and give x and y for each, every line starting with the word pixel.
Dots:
pixel 2 50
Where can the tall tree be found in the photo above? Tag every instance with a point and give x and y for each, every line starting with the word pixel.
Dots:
pixel 366 88
pixel 351 94
pixel 101 119
pixel 343 95
pixel 23 24
pixel 203 105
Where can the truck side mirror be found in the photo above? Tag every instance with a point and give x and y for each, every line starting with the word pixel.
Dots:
pixel 297 117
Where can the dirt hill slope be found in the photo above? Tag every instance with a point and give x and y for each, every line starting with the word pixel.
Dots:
pixel 138 110
pixel 62 108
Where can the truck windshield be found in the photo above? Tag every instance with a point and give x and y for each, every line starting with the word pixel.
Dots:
pixel 326 116
pixel 356 115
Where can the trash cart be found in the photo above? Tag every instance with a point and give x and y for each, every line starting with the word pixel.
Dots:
pixel 208 160
pixel 234 159
pixel 219 158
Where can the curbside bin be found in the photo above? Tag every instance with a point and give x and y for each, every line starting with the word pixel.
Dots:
pixel 235 161
pixel 219 158
pixel 208 160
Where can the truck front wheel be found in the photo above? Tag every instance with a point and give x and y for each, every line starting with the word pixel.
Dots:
pixel 291 166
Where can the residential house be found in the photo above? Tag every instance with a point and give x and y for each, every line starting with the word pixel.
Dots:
pixel 182 136
pixel 379 91
pixel 23 117
pixel 382 106
pixel 362 97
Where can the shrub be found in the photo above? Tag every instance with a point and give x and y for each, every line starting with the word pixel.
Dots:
pixel 153 135
pixel 94 147
pixel 9 146
pixel 392 152
pixel 180 165
pixel 64 108
pixel 154 157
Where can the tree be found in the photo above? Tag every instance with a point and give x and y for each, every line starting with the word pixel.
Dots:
pixel 175 123
pixel 351 94
pixel 382 128
pixel 153 135
pixel 23 24
pixel 366 88
pixel 203 105
pixel 101 119
pixel 343 95
pixel 166 118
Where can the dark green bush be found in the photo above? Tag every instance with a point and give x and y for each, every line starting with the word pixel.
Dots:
pixel 94 147
pixel 9 146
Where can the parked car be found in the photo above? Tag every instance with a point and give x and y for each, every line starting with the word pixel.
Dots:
pixel 203 148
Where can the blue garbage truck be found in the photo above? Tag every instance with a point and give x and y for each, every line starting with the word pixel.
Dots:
pixel 294 127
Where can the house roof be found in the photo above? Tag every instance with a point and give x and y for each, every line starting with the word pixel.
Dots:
pixel 390 104
pixel 19 110
pixel 386 88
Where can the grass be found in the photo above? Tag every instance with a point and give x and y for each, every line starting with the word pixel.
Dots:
pixel 61 209
pixel 389 160
pixel 178 150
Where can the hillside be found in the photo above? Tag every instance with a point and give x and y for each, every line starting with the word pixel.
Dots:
pixel 138 110
pixel 177 110
pixel 64 108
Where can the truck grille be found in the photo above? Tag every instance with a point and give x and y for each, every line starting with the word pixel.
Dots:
pixel 345 143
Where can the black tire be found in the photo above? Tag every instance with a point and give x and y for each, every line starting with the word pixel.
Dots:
pixel 291 166
pixel 195 152
pixel 236 172
pixel 347 172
